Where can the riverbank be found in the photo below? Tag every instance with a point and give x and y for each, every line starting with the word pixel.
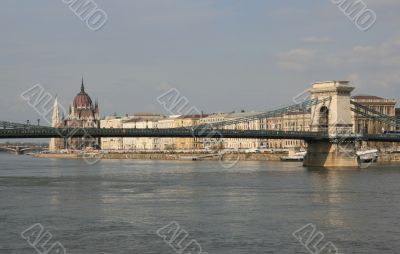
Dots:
pixel 389 158
pixel 165 156
pixel 383 158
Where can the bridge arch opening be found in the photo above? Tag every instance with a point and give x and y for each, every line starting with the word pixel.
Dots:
pixel 324 117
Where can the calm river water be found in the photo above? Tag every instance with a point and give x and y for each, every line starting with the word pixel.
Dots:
pixel 117 206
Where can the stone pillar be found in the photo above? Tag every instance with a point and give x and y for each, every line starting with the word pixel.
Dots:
pixel 334 118
pixel 18 150
pixel 330 154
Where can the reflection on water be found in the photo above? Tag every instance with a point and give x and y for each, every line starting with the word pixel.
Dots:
pixel 329 190
pixel 116 206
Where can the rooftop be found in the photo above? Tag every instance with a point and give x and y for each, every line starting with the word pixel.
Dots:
pixel 373 99
pixel 193 116
pixel 366 97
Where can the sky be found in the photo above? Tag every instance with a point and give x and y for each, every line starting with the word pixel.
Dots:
pixel 222 55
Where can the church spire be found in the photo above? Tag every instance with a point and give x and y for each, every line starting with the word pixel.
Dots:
pixel 82 86
pixel 55 144
pixel 55 119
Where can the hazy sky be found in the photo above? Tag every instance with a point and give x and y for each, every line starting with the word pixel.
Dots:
pixel 222 55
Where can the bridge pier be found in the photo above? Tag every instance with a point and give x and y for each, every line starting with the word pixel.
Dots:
pixel 327 154
pixel 334 118
pixel 18 150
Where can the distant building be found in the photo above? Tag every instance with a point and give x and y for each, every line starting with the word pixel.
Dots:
pixel 83 113
pixel 362 124
pixel 291 121
pixel 142 121
pixel 187 121
pixel 112 122
pixel 167 144
pixel 235 143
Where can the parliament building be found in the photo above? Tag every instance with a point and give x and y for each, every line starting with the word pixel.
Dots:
pixel 83 113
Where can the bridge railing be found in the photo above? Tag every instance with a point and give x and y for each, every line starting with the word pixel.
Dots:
pixel 11 125
pixel 173 132
pixel 191 133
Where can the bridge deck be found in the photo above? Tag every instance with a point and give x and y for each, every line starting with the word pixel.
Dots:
pixel 173 133
pixel 186 133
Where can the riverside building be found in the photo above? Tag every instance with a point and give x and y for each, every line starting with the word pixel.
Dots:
pixel 291 121
pixel 236 143
pixel 142 121
pixel 112 122
pixel 362 124
pixel 366 125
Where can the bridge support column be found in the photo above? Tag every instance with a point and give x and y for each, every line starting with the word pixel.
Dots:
pixel 334 118
pixel 18 150
pixel 327 154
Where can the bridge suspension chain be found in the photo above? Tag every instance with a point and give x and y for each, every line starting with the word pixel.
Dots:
pixel 300 107
pixel 373 114
pixel 398 122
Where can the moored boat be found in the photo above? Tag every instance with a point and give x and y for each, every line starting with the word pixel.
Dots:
pixel 296 157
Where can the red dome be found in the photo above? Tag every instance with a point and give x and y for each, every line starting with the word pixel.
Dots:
pixel 86 113
pixel 82 100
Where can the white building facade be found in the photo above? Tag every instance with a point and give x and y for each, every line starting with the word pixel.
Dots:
pixel 112 122
pixel 142 121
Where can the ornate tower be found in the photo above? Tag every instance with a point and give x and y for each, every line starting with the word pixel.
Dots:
pixel 334 117
pixel 83 113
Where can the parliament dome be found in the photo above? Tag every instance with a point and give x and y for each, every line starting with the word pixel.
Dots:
pixel 82 99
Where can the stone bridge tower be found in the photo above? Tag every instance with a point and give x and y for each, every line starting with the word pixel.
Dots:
pixel 333 117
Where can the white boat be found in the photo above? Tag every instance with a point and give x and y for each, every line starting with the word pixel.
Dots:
pixel 367 152
pixel 296 157
pixel 368 155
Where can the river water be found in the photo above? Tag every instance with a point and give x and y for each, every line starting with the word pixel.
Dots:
pixel 117 206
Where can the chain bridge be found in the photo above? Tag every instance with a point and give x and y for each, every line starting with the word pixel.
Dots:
pixel 331 142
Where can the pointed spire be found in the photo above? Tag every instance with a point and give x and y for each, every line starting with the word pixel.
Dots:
pixel 82 86
pixel 55 119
